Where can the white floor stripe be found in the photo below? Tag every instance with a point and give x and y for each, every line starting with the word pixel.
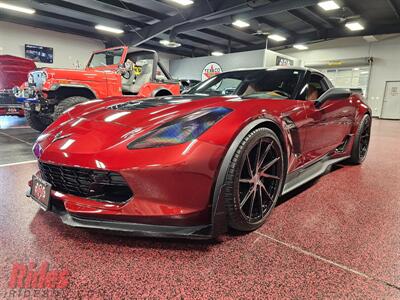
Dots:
pixel 316 256
pixel 15 138
pixel 19 163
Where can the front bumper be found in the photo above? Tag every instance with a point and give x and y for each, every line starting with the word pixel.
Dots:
pixel 173 191
pixel 203 232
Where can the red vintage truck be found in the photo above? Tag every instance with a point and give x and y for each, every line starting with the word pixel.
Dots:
pixel 13 72
pixel 111 72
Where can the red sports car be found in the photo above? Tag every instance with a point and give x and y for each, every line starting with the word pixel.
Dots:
pixel 194 165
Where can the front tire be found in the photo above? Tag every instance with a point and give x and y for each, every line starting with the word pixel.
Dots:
pixel 35 121
pixel 67 103
pixel 361 141
pixel 254 180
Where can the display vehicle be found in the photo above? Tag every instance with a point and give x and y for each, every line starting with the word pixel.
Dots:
pixel 13 72
pixel 196 164
pixel 109 73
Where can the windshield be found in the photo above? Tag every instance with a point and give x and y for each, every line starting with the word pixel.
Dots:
pixel 267 83
pixel 106 58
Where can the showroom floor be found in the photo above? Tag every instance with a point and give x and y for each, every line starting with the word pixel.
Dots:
pixel 336 238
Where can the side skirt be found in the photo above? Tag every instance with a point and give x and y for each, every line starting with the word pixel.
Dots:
pixel 303 175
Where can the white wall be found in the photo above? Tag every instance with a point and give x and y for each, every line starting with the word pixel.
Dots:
pixel 68 49
pixel 386 65
pixel 191 68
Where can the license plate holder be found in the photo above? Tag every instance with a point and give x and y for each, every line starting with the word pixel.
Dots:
pixel 40 192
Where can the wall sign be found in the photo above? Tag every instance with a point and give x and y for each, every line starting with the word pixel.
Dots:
pixel 39 53
pixel 283 61
pixel 210 70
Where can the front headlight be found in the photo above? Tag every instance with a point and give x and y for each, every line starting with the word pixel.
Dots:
pixel 181 130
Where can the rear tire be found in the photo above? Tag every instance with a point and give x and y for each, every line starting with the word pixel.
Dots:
pixel 67 103
pixel 254 180
pixel 361 141
pixel 34 120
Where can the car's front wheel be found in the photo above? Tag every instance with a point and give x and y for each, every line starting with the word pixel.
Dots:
pixel 254 180
pixel 67 103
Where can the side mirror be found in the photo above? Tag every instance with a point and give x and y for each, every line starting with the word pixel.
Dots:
pixel 332 94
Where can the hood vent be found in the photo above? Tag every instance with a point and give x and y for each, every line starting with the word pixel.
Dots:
pixel 155 102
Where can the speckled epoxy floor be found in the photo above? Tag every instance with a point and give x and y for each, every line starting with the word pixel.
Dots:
pixel 337 238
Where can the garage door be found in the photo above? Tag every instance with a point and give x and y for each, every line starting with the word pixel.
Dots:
pixel 391 101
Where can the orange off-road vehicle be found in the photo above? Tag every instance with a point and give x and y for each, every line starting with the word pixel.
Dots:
pixel 111 72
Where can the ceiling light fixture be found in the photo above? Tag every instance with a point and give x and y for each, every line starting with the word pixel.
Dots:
pixel 354 26
pixel 240 24
pixel 170 44
pixel 277 37
pixel 183 2
pixel 109 29
pixel 328 5
pixel 300 47
pixel 217 53
pixel 17 8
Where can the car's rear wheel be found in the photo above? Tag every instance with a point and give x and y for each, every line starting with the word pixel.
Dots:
pixel 254 180
pixel 361 141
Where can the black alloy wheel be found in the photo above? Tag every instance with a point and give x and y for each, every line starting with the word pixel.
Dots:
pixel 361 141
pixel 255 180
pixel 364 139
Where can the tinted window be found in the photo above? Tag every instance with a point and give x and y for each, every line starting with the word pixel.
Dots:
pixel 269 83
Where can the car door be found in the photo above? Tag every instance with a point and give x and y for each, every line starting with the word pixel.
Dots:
pixel 328 124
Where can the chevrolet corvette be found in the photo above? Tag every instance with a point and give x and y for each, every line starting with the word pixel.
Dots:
pixel 195 165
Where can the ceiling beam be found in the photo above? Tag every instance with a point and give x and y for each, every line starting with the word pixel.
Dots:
pixel 327 34
pixel 394 8
pixel 200 10
pixel 47 23
pixel 311 11
pixel 305 19
pixel 267 9
pixel 131 6
pixel 96 11
pixel 223 36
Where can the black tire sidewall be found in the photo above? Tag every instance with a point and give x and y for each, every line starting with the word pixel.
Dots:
pixel 355 153
pixel 34 121
pixel 236 219
pixel 68 103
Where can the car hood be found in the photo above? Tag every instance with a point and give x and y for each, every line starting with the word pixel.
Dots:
pixel 109 126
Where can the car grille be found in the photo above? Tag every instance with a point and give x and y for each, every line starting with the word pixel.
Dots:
pixel 92 184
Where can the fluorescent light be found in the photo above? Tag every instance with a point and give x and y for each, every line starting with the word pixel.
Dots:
pixel 328 5
pixel 240 24
pixel 170 44
pixel 300 47
pixel 354 26
pixel 109 29
pixel 356 69
pixel 217 53
pixel 183 2
pixel 17 8
pixel 277 37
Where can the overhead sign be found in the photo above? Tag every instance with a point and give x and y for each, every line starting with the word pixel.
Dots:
pixel 210 70
pixel 283 61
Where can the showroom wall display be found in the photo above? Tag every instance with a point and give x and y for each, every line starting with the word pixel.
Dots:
pixel 39 53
